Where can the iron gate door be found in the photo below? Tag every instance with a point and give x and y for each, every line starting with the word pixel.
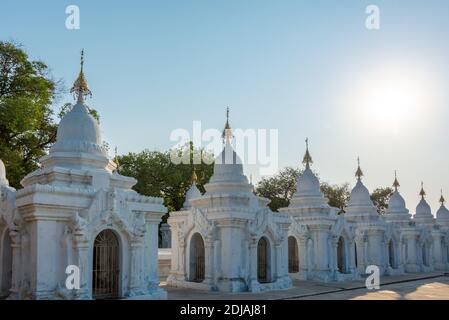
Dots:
pixel 262 267
pixel 106 270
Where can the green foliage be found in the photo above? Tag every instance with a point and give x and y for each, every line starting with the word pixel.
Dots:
pixel 281 187
pixel 337 195
pixel 26 126
pixel 158 176
pixel 380 198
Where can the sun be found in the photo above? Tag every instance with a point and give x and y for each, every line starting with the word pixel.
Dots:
pixel 392 99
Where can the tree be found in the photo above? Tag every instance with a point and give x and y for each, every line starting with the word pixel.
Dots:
pixel 27 129
pixel 279 188
pixel 337 195
pixel 158 176
pixel 380 198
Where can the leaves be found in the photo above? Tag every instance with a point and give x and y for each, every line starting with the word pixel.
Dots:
pixel 281 187
pixel 380 198
pixel 337 195
pixel 27 129
pixel 158 176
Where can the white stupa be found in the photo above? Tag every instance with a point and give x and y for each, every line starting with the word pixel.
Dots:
pixel 228 239
pixel 77 210
pixel 397 212
pixel 443 213
pixel 423 215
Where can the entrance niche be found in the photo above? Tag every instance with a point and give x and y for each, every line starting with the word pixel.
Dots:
pixel 425 255
pixel 263 260
pixel 391 257
pixel 6 265
pixel 341 255
pixel 106 269
pixel 293 260
pixel 197 258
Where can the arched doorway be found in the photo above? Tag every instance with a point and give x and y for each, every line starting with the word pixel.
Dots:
pixel 447 253
pixel 391 257
pixel 106 266
pixel 197 258
pixel 6 265
pixel 263 261
pixel 293 261
pixel 425 257
pixel 341 255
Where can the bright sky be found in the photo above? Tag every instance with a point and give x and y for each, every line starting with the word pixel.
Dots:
pixel 307 68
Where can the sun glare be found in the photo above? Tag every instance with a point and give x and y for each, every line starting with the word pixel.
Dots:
pixel 390 100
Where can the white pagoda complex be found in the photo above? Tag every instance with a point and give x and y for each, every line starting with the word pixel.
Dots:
pixel 76 210
pixel 228 239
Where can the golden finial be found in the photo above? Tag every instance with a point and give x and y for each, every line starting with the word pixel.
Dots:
pixel 80 88
pixel 396 184
pixel 422 193
pixel 307 160
pixel 442 200
pixel 359 172
pixel 227 131
pixel 194 176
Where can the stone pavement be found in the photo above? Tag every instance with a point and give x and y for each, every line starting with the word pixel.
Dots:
pixel 433 286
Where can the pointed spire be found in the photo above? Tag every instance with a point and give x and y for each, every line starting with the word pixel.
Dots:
pixel 307 160
pixel 396 184
pixel 422 193
pixel 442 200
pixel 194 176
pixel 227 131
pixel 80 88
pixel 253 188
pixel 116 159
pixel 359 172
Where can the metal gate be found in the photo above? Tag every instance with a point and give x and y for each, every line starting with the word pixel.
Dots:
pixel 262 261
pixel 293 261
pixel 106 272
pixel 391 258
pixel 198 258
pixel 341 256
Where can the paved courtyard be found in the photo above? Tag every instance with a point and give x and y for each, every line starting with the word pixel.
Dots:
pixel 433 286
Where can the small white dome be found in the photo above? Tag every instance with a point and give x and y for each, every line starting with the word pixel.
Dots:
pixel 3 180
pixel 78 131
pixel 396 202
pixel 192 193
pixel 423 208
pixel 360 195
pixel 308 184
pixel 443 213
pixel 228 167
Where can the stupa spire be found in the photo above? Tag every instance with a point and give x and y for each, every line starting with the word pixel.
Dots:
pixel 194 176
pixel 442 200
pixel 80 89
pixel 227 131
pixel 396 184
pixel 307 160
pixel 359 172
pixel 422 193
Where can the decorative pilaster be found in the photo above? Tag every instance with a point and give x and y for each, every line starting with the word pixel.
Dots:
pixel 209 260
pixel 136 283
pixel 16 264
